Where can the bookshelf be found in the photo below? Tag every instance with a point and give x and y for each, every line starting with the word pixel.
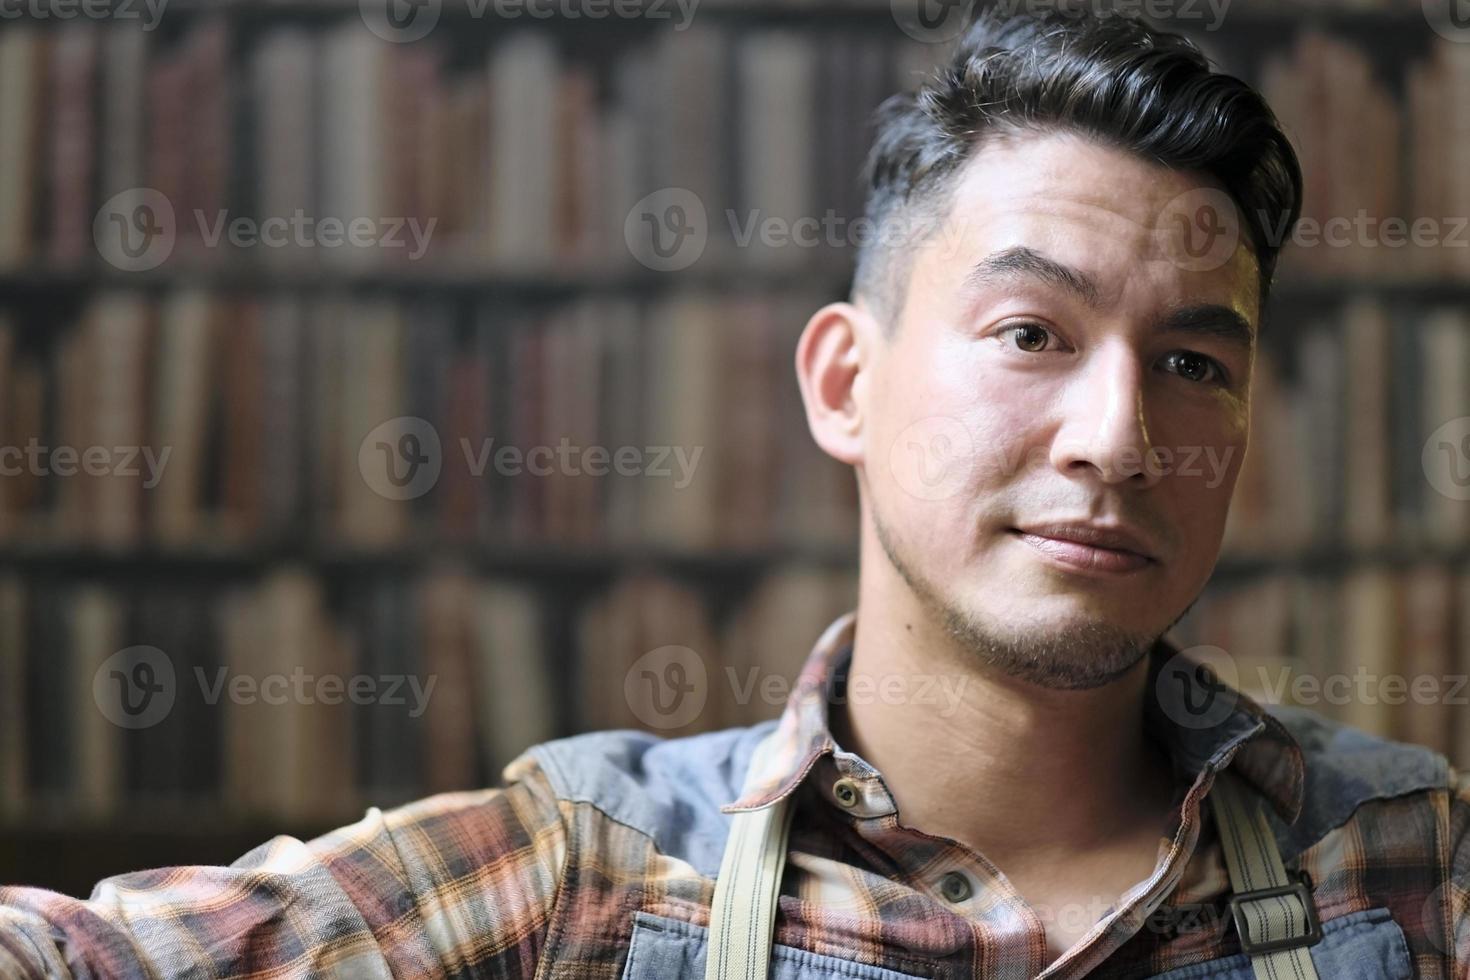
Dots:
pixel 52 285
pixel 266 546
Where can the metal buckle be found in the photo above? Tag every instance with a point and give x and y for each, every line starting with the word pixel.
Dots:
pixel 1302 889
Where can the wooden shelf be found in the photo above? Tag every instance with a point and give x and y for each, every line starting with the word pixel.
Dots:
pixel 429 276
pixel 1259 13
pixel 553 561
pixel 814 277
pixel 593 562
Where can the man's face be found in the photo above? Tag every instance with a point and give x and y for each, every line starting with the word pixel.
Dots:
pixel 1065 353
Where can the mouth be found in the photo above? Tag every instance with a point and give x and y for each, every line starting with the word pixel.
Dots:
pixel 1100 552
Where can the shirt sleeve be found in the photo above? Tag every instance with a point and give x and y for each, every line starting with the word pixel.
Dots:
pixel 448 885
pixel 1453 899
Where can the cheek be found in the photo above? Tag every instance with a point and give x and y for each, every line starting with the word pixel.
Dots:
pixel 1208 452
pixel 956 441
pixel 951 401
pixel 922 437
pixel 1008 420
pixel 1200 483
pixel 966 377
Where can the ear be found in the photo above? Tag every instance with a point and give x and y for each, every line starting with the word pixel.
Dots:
pixel 833 360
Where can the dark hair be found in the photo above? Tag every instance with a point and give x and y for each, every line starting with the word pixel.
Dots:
pixel 1102 74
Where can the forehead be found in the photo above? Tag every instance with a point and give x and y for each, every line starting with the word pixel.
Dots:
pixel 1132 225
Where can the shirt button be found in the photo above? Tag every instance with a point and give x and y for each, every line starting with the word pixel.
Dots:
pixel 955 887
pixel 846 792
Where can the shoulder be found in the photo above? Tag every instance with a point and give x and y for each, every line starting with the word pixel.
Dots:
pixel 669 789
pixel 1346 768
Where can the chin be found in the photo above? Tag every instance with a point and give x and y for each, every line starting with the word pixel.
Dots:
pixel 1018 594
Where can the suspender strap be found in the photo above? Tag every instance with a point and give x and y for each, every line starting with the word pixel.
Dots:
pixel 1274 914
pixel 743 915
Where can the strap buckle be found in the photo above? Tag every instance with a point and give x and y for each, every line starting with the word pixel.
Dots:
pixel 1302 889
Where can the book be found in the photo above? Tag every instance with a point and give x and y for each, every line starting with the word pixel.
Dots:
pixel 282 83
pixel 354 143
pixel 1366 336
pixel 187 335
pixel 97 632
pixel 1444 377
pixel 523 79
pixel 72 130
pixel 22 61
pixel 15 661
pixel 118 332
pixel 519 681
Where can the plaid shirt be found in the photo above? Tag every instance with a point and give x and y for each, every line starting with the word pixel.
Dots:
pixel 597 859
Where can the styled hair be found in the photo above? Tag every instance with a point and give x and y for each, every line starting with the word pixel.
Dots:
pixel 1100 74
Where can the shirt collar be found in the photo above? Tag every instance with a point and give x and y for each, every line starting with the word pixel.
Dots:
pixel 1202 722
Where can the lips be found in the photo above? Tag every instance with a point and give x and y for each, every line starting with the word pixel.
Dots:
pixel 1089 546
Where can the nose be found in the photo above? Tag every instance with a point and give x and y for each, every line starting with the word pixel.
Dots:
pixel 1104 427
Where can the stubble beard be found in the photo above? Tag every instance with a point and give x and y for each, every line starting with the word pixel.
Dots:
pixel 1073 657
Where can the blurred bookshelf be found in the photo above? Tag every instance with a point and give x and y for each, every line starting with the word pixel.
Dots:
pixel 269 544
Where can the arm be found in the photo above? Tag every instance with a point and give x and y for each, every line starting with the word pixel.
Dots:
pixel 419 891
pixel 1452 898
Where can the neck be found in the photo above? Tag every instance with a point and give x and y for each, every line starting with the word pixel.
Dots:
pixel 1019 772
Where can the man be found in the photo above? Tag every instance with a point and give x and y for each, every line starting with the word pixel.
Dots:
pixel 1061 308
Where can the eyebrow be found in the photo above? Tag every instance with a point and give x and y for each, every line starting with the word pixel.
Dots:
pixel 1020 264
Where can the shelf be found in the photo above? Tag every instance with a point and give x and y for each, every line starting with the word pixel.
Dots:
pixel 443 277
pixel 1243 35
pixel 579 12
pixel 529 561
pixel 1327 562
pixel 824 277
pixel 592 562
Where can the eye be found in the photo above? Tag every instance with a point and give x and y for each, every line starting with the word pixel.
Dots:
pixel 1197 367
pixel 1030 337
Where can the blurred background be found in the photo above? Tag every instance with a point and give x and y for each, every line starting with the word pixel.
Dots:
pixel 388 386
